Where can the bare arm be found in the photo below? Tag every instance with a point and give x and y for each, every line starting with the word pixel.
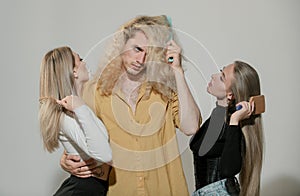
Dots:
pixel 84 169
pixel 244 113
pixel 73 165
pixel 189 113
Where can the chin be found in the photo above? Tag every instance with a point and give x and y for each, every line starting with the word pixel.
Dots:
pixel 132 72
pixel 135 72
pixel 208 90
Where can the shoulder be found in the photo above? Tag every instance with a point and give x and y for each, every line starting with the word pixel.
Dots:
pixel 67 122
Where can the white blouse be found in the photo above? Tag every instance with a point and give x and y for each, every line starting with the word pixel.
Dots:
pixel 85 135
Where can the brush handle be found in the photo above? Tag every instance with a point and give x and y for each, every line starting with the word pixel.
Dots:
pixel 238 107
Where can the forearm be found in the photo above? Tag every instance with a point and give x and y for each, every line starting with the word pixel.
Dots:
pixel 73 165
pixel 231 159
pixel 189 113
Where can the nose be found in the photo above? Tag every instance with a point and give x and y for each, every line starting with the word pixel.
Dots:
pixel 140 57
pixel 82 64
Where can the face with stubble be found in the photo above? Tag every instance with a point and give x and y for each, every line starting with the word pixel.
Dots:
pixel 134 55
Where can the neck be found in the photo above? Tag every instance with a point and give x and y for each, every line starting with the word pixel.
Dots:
pixel 222 102
pixel 130 88
pixel 78 89
pixel 135 78
pixel 129 85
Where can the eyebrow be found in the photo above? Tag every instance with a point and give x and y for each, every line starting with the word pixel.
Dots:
pixel 79 57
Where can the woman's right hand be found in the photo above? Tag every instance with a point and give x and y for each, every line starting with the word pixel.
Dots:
pixel 243 113
pixel 73 165
pixel 71 102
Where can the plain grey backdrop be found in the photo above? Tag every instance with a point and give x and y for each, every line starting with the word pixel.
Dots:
pixel 263 33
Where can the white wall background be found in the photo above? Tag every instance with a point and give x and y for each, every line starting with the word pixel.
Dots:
pixel 263 33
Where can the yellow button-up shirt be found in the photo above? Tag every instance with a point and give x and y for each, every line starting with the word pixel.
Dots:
pixel 146 159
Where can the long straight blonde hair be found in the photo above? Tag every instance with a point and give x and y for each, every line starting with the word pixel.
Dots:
pixel 244 85
pixel 56 82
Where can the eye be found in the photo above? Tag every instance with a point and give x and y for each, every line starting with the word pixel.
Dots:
pixel 80 59
pixel 221 78
pixel 221 75
pixel 138 49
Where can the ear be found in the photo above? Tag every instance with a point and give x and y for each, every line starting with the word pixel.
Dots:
pixel 75 73
pixel 230 96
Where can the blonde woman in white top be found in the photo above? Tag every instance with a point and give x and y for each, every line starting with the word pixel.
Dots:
pixel 65 118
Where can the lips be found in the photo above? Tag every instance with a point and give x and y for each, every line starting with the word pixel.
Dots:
pixel 209 84
pixel 136 67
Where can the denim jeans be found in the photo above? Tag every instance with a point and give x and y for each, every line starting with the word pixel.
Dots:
pixel 214 189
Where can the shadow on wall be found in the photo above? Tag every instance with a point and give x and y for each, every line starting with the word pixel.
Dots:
pixel 284 185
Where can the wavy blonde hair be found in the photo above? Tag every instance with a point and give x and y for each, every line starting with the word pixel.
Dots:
pixel 244 85
pixel 56 82
pixel 159 76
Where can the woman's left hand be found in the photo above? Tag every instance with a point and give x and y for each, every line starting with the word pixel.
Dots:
pixel 243 113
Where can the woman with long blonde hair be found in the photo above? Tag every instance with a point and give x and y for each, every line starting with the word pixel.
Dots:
pixel 231 141
pixel 64 117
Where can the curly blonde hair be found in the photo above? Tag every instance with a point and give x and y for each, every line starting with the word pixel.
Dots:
pixel 159 76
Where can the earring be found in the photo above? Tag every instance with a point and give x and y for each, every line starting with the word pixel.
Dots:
pixel 75 74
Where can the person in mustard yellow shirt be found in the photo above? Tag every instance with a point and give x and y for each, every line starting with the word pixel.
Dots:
pixel 141 95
